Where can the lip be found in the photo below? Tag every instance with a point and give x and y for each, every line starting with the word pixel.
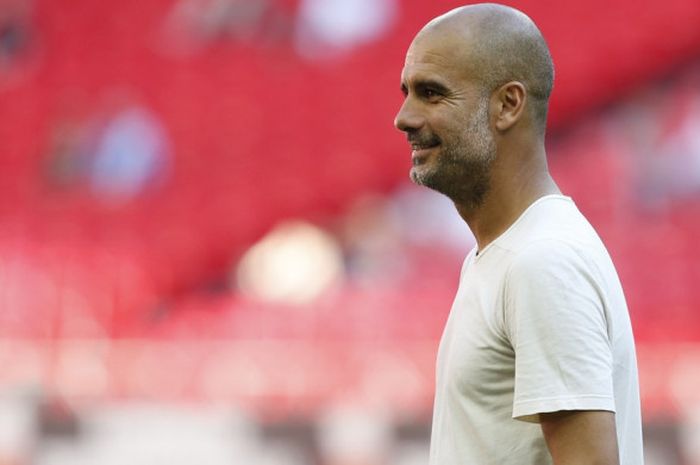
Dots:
pixel 418 156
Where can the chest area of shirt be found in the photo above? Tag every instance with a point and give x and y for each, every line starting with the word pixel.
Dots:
pixel 475 355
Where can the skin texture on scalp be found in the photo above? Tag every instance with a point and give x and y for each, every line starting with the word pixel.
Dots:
pixel 504 45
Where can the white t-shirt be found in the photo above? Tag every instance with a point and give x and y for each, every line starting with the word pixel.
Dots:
pixel 539 324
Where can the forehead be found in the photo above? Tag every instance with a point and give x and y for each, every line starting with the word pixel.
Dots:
pixel 435 56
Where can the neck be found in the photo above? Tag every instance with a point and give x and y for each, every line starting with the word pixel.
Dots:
pixel 513 189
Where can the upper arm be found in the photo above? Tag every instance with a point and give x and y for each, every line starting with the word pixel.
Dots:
pixel 581 437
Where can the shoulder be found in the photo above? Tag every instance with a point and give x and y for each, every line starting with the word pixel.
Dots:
pixel 554 288
pixel 555 276
pixel 550 225
pixel 549 256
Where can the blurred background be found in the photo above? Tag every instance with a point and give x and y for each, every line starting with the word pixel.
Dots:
pixel 210 252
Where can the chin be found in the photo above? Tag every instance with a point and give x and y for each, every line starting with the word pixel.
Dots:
pixel 425 177
pixel 418 176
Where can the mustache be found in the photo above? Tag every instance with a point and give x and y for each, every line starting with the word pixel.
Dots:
pixel 423 140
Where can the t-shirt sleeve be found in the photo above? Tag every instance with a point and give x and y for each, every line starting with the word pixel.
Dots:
pixel 556 321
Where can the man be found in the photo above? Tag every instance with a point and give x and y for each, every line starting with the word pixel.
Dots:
pixel 537 363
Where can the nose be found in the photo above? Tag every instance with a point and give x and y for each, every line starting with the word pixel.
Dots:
pixel 408 119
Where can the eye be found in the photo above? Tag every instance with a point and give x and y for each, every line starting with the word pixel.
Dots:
pixel 431 94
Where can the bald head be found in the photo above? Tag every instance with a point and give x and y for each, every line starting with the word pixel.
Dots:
pixel 497 44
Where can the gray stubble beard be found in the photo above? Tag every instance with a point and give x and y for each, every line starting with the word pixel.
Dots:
pixel 463 171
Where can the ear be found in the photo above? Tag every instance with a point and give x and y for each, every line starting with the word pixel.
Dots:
pixel 509 101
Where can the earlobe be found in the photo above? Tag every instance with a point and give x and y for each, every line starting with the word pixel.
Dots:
pixel 511 102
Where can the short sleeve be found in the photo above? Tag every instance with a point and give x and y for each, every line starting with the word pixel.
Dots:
pixel 556 321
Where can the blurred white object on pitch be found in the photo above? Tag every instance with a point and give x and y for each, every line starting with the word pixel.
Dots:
pixel 147 434
pixel 354 434
pixel 17 428
pixel 294 264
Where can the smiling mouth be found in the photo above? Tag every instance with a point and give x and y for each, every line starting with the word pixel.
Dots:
pixel 421 152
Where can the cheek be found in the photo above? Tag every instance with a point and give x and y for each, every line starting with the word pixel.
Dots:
pixel 451 126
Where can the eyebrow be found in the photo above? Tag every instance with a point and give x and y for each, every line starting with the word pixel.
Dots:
pixel 426 84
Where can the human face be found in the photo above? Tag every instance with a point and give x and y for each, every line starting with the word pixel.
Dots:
pixel 445 118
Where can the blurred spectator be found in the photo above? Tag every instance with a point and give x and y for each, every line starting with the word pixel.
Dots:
pixel 117 152
pixel 16 39
pixel 192 25
pixel 329 27
pixel 68 146
pixel 318 28
pixel 440 225
pixel 383 243
pixel 132 154
pixel 678 160
pixel 662 126
pixel 371 239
